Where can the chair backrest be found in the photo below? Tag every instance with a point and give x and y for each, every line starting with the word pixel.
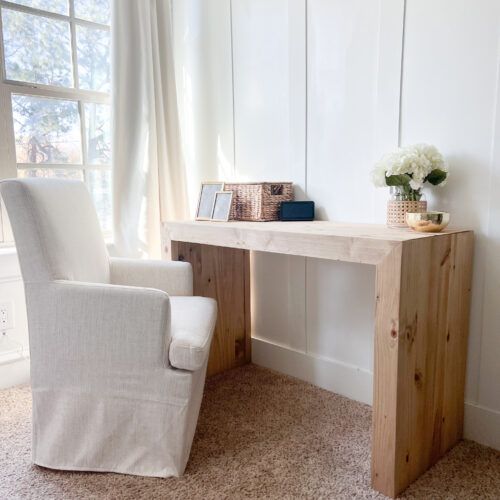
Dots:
pixel 56 230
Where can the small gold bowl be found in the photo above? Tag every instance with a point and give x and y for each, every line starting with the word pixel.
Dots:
pixel 428 222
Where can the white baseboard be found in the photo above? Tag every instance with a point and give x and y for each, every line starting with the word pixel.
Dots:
pixel 482 425
pixel 330 374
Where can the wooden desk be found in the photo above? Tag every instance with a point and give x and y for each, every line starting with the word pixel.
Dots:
pixel 423 286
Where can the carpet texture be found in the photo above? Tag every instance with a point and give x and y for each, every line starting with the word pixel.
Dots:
pixel 260 435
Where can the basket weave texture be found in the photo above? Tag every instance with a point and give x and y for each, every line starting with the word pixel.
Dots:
pixel 397 210
pixel 258 201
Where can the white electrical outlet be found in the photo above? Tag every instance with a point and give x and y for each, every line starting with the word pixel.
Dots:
pixel 6 316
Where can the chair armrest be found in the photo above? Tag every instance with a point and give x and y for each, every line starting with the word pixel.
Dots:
pixel 192 327
pixel 97 330
pixel 174 278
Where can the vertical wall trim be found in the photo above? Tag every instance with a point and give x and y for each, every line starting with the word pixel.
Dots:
pixel 306 41
pixel 494 151
pixel 232 86
pixel 306 155
pixel 400 125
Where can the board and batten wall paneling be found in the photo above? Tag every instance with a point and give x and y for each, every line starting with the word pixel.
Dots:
pixel 203 71
pixel 378 73
pixel 269 64
pixel 489 374
pixel 342 90
pixel 269 57
pixel 388 94
pixel 450 75
pixel 347 130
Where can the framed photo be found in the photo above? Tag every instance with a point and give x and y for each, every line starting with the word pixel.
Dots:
pixel 222 206
pixel 207 199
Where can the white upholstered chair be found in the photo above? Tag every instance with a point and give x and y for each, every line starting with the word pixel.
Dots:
pixel 119 347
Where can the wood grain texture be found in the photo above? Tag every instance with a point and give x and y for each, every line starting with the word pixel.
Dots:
pixel 361 243
pixel 423 290
pixel 222 274
pixel 423 295
pixel 456 348
pixel 385 377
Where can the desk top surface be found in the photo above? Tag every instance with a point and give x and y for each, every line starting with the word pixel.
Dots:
pixel 313 228
pixel 336 240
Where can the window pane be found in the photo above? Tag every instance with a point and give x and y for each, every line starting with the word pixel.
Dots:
pixel 46 130
pixel 98 11
pixel 97 132
pixel 57 6
pixel 61 173
pixel 37 49
pixel 93 58
pixel 99 184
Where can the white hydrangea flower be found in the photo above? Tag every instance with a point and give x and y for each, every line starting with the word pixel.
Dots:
pixel 378 175
pixel 417 161
pixel 416 184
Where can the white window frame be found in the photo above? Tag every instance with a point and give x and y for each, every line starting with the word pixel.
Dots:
pixel 8 164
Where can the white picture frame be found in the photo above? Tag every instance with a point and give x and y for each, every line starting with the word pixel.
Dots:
pixel 206 199
pixel 222 206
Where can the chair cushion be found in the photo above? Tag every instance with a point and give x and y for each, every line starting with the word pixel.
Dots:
pixel 192 326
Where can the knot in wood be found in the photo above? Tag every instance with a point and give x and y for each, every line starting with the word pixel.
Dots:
pixel 418 378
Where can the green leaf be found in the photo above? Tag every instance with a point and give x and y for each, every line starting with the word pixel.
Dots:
pixel 436 177
pixel 397 180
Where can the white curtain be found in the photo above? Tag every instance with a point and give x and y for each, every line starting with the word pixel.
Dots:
pixel 148 177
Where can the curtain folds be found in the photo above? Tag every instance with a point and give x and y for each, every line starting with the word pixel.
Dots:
pixel 149 177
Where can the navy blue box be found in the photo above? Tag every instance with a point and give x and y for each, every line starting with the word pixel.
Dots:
pixel 296 210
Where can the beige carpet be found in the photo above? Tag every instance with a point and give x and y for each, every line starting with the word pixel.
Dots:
pixel 260 435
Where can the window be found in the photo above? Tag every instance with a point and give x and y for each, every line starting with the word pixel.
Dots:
pixel 54 93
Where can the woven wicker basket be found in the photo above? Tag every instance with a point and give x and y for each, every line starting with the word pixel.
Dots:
pixel 258 201
pixel 397 210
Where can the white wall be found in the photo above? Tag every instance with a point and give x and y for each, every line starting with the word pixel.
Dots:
pixel 314 91
pixel 450 96
pixel 270 144
pixel 14 365
pixel 202 37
